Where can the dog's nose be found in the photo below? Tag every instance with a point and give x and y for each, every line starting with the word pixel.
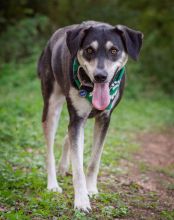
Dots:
pixel 100 76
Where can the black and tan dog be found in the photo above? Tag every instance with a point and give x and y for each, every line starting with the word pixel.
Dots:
pixel 84 65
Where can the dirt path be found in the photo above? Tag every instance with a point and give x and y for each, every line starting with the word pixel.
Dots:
pixel 152 170
pixel 156 160
pixel 148 185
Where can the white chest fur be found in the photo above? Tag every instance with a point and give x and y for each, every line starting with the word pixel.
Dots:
pixel 82 106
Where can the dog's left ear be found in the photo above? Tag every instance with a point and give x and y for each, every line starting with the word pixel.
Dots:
pixel 74 39
pixel 132 40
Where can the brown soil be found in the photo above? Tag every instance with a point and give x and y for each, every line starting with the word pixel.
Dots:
pixel 148 185
pixel 157 158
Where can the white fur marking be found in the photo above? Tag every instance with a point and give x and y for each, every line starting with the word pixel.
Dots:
pixel 120 27
pixel 89 67
pixel 94 45
pixel 81 196
pixel 109 44
pixel 55 105
pixel 82 106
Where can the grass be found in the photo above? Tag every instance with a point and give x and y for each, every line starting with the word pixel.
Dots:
pixel 23 193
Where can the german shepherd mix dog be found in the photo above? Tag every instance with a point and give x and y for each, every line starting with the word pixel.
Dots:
pixel 84 65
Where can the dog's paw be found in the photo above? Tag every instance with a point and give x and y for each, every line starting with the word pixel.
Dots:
pixel 55 189
pixel 63 170
pixel 91 187
pixel 92 192
pixel 82 204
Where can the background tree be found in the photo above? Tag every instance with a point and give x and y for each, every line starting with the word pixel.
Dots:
pixel 30 22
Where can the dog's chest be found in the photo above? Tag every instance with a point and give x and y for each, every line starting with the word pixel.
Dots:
pixel 81 105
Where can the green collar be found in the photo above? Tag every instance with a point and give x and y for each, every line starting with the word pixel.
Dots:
pixel 88 95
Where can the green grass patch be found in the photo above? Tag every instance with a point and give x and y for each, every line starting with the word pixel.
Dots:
pixel 167 215
pixel 167 170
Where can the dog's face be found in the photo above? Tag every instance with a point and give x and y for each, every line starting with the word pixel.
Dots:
pixel 103 50
pixel 101 54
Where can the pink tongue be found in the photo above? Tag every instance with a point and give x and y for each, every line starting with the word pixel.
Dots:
pixel 101 97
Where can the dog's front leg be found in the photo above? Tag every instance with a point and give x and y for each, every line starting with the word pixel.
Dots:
pixel 76 137
pixel 100 130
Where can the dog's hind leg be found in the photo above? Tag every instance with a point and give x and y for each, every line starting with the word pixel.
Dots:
pixel 100 130
pixel 65 158
pixel 51 113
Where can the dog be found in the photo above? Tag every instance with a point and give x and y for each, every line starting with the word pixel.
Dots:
pixel 80 65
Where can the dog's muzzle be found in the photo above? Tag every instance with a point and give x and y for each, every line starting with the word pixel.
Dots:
pixel 99 88
pixel 100 76
pixel 101 95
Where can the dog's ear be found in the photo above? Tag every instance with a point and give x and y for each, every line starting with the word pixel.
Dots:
pixel 74 39
pixel 132 40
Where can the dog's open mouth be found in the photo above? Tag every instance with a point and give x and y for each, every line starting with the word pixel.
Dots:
pixel 84 78
pixel 101 96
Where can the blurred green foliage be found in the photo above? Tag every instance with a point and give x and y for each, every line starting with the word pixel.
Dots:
pixel 23 39
pixel 27 24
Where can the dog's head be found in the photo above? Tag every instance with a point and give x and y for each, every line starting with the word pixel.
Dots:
pixel 102 50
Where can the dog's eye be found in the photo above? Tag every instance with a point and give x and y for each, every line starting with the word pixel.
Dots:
pixel 90 50
pixel 114 50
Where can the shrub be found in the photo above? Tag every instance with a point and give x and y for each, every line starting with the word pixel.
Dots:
pixel 24 38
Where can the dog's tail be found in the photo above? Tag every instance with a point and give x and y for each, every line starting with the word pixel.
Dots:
pixel 44 62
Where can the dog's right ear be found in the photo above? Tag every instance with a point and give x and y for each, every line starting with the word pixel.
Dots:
pixel 74 39
pixel 132 40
